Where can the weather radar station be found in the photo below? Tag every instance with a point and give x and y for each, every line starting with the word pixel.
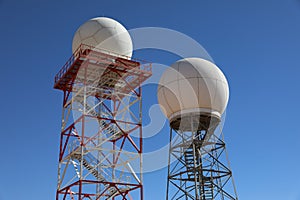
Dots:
pixel 98 157
pixel 101 138
pixel 193 94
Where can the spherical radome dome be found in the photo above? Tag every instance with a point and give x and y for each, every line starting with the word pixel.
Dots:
pixel 193 85
pixel 105 34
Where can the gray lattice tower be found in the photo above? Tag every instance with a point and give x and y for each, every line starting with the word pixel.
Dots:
pixel 199 171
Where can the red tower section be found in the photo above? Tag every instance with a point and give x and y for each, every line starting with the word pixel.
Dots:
pixel 100 155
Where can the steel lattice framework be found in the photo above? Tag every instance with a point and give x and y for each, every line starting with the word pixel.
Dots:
pixel 99 158
pixel 201 168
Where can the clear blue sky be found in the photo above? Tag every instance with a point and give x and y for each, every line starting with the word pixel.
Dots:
pixel 256 43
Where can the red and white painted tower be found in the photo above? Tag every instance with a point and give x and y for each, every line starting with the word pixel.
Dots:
pixel 100 154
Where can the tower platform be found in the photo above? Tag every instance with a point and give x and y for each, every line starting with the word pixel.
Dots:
pixel 114 73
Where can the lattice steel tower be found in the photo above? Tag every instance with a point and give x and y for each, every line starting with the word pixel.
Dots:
pixel 99 158
pixel 193 94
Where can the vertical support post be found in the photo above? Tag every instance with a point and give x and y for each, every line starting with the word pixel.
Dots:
pixel 169 164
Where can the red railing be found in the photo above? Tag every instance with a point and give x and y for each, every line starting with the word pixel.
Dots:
pixel 83 48
pixel 68 64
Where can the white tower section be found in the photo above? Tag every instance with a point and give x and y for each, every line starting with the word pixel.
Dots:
pixel 193 85
pixel 105 34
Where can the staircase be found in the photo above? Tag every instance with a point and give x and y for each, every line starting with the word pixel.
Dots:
pixel 90 163
pixel 111 130
pixel 189 161
pixel 208 191
pixel 206 185
pixel 88 160
pixel 88 166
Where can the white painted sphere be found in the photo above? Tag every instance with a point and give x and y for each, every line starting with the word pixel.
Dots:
pixel 193 85
pixel 105 34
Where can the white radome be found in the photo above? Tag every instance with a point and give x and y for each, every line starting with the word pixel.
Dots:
pixel 193 85
pixel 106 34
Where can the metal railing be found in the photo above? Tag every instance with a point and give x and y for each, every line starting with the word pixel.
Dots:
pixel 83 49
pixel 68 64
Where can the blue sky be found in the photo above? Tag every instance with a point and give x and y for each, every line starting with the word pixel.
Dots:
pixel 256 44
